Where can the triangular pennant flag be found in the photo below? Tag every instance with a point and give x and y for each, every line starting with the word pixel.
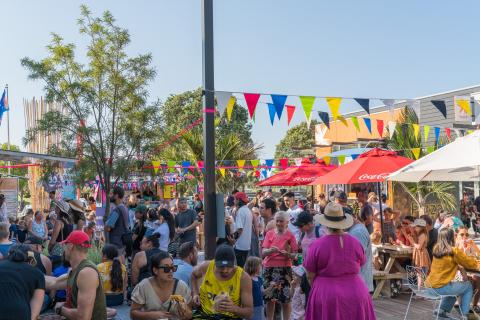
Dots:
pixel 223 98
pixel 415 105
pixel 185 166
pixel 222 171
pixel 283 163
pixel 462 132
pixel 441 106
pixel 171 165
pixel 389 103
pixel 230 105
pixel 307 104
pixel 252 100
pixel 416 130
pixel 430 149
pixel 342 120
pixel 364 103
pixel 341 159
pixel 279 102
pixel 290 112
pixel 298 162
pixel 457 132
pixel 368 123
pixel 156 165
pixel 380 126
pixel 334 105
pixel 354 156
pixel 469 131
pixel 327 160
pixel 269 163
pixel 355 123
pixel 449 133
pixel 271 112
pixel 464 104
pixel 426 131
pixel 437 134
pixel 416 153
pixel 324 116
pixel 200 165
pixel 240 164
pixel 255 163
pixel 391 128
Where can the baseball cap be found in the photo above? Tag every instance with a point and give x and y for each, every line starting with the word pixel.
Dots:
pixel 241 196
pixel 224 256
pixel 303 218
pixel 340 195
pixel 78 238
pixel 141 208
pixel 34 240
pixel 419 223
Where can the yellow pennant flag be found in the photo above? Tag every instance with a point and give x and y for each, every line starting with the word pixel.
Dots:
pixel 464 105
pixel 469 131
pixel 416 153
pixel 156 165
pixel 343 120
pixel 230 104
pixel 222 171
pixel 240 164
pixel 416 130
pixel 326 160
pixel 334 104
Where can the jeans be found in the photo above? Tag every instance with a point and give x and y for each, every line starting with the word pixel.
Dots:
pixel 241 256
pixel 462 289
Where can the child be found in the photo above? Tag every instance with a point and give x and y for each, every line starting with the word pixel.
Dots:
pixel 298 294
pixel 376 239
pixel 253 266
pixel 419 240
pixel 22 231
pixel 399 238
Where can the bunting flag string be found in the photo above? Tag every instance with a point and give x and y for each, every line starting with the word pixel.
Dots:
pixel 290 112
pixel 279 103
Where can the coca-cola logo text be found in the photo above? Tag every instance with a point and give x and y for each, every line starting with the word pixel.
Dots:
pixel 380 176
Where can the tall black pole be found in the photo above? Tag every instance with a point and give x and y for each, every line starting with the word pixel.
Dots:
pixel 209 130
pixel 379 189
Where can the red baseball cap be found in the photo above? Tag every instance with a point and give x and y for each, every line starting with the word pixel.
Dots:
pixel 241 196
pixel 78 238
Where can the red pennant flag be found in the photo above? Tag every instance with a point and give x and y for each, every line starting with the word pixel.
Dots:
pixel 257 174
pixel 449 133
pixel 252 100
pixel 380 126
pixel 290 112
pixel 200 165
pixel 283 163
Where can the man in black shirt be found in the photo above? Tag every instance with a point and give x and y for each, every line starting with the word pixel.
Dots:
pixel 186 222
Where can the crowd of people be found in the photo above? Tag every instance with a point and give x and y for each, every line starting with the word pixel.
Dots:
pixel 280 258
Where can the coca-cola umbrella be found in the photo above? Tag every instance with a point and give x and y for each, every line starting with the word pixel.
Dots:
pixel 372 166
pixel 298 175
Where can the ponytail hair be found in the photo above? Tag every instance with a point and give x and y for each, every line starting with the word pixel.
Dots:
pixel 116 274
pixel 167 216
pixel 21 253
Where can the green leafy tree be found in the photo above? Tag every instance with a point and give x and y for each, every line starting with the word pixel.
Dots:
pixel 296 139
pixel 104 99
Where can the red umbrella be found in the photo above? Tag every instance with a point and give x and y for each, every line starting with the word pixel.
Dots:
pixel 298 176
pixel 372 166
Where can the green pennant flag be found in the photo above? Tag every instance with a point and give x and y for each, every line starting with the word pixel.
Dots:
pixel 426 131
pixel 341 159
pixel 171 165
pixel 430 149
pixel 255 163
pixel 307 104
pixel 355 123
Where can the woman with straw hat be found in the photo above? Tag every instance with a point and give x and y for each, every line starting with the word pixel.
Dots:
pixel 333 268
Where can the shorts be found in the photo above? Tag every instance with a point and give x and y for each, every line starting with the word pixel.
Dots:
pixel 277 284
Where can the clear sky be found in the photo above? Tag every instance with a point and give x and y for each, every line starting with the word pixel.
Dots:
pixel 390 49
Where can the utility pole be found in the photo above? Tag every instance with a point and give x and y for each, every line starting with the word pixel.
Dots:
pixel 209 130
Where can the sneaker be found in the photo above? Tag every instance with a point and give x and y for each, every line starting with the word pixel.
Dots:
pixel 442 314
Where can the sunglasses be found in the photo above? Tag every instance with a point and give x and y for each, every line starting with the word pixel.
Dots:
pixel 405 223
pixel 168 269
pixel 463 234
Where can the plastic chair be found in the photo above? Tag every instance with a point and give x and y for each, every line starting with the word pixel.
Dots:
pixel 423 290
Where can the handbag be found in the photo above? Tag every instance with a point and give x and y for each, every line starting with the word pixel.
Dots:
pixel 174 245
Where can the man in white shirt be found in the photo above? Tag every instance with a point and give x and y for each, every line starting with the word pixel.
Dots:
pixel 293 210
pixel 243 228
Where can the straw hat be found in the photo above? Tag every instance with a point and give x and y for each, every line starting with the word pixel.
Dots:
pixel 77 205
pixel 334 217
pixel 62 205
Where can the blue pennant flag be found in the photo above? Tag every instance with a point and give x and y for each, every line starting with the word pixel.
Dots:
pixel 354 156
pixel 269 163
pixel 264 173
pixel 437 134
pixel 325 117
pixel 185 166
pixel 271 112
pixel 368 123
pixel 279 102
pixel 364 103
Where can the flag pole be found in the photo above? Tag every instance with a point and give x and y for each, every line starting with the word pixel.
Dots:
pixel 8 127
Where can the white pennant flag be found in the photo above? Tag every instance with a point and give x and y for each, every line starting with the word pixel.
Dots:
pixel 391 128
pixel 298 162
pixel 415 105
pixel 457 132
pixel 389 103
pixel 222 100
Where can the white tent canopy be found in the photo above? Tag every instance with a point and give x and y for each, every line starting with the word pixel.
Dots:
pixel 457 161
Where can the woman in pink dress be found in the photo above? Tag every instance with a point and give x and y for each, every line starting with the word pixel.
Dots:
pixel 333 266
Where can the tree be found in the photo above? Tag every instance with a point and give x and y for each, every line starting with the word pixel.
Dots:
pixel 296 139
pixel 233 139
pixel 104 101
pixel 19 172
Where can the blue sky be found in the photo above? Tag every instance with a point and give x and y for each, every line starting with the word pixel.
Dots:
pixel 390 49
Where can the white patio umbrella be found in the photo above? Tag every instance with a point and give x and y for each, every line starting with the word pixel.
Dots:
pixel 457 161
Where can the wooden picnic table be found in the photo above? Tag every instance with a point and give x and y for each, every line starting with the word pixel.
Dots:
pixel 393 253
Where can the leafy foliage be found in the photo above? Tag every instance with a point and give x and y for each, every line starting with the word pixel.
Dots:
pixel 296 139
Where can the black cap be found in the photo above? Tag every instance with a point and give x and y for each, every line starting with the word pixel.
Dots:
pixel 34 240
pixel 303 218
pixel 225 256
pixel 340 195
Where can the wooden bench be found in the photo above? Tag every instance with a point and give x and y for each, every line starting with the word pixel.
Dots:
pixel 381 277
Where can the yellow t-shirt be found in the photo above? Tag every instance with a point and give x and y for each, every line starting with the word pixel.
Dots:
pixel 211 287
pixel 105 269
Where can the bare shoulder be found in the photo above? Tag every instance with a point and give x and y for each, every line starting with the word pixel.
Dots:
pixel 87 277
